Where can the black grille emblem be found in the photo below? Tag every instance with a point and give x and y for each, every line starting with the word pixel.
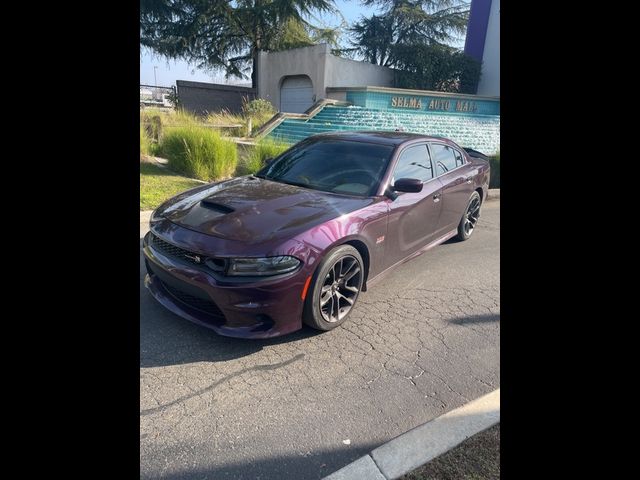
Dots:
pixel 195 258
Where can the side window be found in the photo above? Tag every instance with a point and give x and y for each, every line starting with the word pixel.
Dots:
pixel 443 157
pixel 414 162
pixel 459 158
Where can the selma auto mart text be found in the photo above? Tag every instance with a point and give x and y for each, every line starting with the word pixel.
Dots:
pixel 434 104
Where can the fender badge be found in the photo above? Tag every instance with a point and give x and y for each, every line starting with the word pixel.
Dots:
pixel 380 239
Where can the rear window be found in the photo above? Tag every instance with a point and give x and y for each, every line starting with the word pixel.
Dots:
pixel 443 157
pixel 459 157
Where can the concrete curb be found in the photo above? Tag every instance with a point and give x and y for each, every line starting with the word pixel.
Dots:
pixel 493 194
pixel 145 215
pixel 425 442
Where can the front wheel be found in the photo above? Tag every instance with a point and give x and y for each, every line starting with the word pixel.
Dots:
pixel 470 218
pixel 335 288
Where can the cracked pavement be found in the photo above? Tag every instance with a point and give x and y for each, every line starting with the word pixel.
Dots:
pixel 422 341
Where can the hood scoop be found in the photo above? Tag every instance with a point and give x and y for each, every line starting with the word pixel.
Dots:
pixel 218 207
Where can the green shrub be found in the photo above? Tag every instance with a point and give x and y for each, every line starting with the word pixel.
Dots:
pixel 180 117
pixel 264 149
pixel 259 119
pixel 166 117
pixel 258 106
pixel 145 141
pixel 198 152
pixel 259 111
pixel 153 127
pixel 435 67
pixel 224 117
pixel 494 181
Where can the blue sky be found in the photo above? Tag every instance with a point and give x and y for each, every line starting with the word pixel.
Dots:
pixel 167 72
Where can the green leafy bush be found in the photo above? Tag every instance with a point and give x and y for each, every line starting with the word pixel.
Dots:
pixel 224 117
pixel 198 152
pixel 155 118
pixel 494 181
pixel 145 141
pixel 264 149
pixel 435 67
pixel 257 107
pixel 258 112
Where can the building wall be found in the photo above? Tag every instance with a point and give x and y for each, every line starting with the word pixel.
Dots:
pixel 477 28
pixel 201 98
pixel 490 78
pixel 342 72
pixel 324 70
pixel 274 66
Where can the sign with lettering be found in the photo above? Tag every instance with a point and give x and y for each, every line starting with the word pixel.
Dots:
pixel 442 105
pixel 406 102
pixel 411 100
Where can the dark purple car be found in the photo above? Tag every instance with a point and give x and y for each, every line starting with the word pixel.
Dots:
pixel 257 256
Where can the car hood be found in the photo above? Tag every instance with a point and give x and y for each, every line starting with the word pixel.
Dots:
pixel 251 210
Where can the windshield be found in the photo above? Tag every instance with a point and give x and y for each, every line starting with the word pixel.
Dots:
pixel 330 165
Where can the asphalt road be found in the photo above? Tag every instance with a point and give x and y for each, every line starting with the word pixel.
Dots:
pixel 421 342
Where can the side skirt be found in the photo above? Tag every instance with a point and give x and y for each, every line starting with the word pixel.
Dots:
pixel 429 246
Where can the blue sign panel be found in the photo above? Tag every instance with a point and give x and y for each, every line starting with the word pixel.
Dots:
pixel 412 102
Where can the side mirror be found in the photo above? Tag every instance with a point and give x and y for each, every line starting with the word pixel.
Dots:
pixel 267 161
pixel 409 185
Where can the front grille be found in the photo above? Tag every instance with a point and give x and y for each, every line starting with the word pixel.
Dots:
pixel 216 264
pixel 174 251
pixel 206 306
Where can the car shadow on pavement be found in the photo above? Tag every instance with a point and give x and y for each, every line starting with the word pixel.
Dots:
pixel 484 318
pixel 167 339
pixel 205 346
pixel 451 241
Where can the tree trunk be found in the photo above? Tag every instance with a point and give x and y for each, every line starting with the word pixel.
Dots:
pixel 254 70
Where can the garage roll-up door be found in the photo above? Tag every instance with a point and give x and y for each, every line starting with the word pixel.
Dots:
pixel 296 94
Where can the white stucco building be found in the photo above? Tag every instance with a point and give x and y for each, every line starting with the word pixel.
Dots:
pixel 292 80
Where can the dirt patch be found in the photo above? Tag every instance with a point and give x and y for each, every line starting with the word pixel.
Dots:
pixel 477 458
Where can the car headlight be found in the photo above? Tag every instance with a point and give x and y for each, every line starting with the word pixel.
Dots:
pixel 260 267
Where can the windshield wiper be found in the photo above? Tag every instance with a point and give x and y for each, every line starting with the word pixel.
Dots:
pixel 298 184
pixel 295 184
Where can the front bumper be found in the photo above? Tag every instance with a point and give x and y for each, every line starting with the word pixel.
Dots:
pixel 261 309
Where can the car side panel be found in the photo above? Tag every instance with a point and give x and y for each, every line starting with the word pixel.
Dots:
pixel 457 187
pixel 413 221
pixel 367 226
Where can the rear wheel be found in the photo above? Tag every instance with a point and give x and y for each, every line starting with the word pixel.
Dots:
pixel 470 218
pixel 335 288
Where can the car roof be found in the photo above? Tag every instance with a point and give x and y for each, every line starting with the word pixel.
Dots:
pixel 378 136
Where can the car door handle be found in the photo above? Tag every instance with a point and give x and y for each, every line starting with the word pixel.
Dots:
pixel 436 197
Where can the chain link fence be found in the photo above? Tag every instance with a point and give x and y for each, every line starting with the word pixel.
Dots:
pixel 154 96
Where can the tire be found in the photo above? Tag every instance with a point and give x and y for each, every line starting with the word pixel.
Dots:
pixel 469 219
pixel 339 296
